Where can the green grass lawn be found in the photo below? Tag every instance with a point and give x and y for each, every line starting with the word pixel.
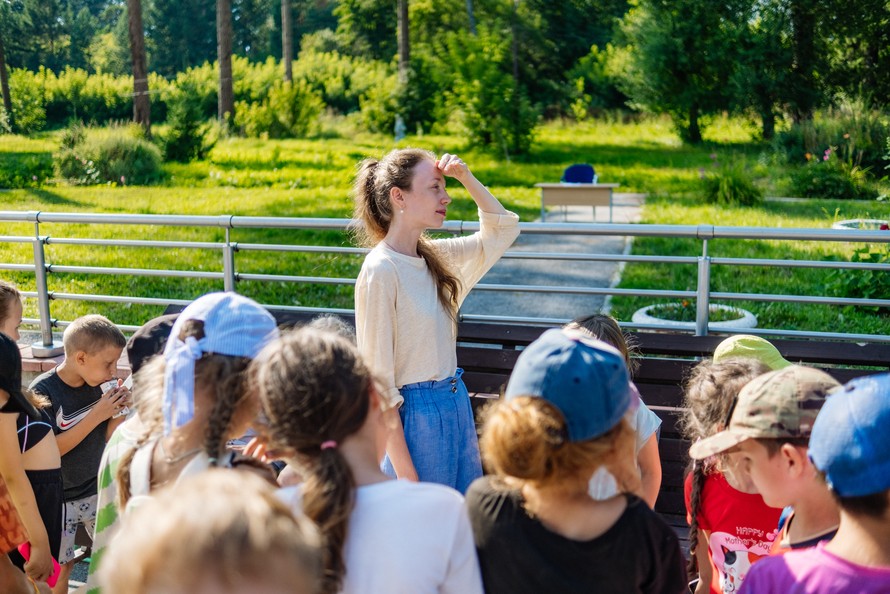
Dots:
pixel 311 178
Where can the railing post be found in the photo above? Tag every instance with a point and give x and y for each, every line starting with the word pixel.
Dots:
pixel 703 292
pixel 228 254
pixel 47 347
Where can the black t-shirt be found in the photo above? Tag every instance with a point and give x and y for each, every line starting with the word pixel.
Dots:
pixel 80 466
pixel 517 554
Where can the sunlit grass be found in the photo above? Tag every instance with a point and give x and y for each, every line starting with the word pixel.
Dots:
pixel 312 178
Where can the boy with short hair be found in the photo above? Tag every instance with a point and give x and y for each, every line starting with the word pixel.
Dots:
pixel 850 445
pixel 768 431
pixel 83 419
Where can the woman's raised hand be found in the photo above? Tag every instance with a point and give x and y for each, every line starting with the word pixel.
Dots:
pixel 453 166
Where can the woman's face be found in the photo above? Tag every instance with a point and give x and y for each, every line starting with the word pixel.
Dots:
pixel 10 324
pixel 426 202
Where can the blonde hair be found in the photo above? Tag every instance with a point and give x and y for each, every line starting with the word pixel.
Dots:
pixel 371 192
pixel 223 528
pixel 91 334
pixel 709 396
pixel 525 440
pixel 8 293
pixel 314 389
pixel 224 377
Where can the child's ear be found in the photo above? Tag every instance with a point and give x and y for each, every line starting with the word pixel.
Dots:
pixel 80 357
pixel 795 459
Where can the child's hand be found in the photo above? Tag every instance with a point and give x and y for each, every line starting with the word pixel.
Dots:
pixel 453 166
pixel 111 402
pixel 40 565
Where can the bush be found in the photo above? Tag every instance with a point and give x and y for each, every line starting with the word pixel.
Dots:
pixel 26 95
pixel 863 284
pixel 730 184
pixel 857 131
pixel 827 176
pixel 592 85
pixel 495 111
pixel 290 111
pixel 23 170
pixel 188 134
pixel 121 156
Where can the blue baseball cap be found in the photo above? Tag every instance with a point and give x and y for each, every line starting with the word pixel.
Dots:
pixel 850 441
pixel 585 378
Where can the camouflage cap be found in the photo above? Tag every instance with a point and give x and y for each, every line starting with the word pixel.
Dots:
pixel 779 404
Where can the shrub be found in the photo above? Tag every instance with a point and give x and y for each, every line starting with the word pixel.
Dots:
pixel 495 111
pixel 188 133
pixel 730 184
pixel 26 95
pixel 827 176
pixel 864 284
pixel 592 84
pixel 290 111
pixel 23 170
pixel 122 156
pixel 857 131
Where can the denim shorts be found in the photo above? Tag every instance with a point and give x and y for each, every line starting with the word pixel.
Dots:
pixel 440 432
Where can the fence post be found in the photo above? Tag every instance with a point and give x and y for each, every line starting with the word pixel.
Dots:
pixel 47 347
pixel 229 264
pixel 703 292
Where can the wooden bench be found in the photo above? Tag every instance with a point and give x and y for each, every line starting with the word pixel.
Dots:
pixel 488 352
pixel 563 194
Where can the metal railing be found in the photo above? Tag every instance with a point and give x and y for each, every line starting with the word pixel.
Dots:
pixel 230 276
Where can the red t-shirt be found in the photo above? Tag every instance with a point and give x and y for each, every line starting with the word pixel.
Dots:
pixel 740 529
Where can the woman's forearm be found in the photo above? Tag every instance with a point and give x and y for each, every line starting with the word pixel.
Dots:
pixel 397 447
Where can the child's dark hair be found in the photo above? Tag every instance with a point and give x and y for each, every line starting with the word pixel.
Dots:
pixel 314 390
pixel 606 328
pixel 223 375
pixel 709 396
pixel 373 208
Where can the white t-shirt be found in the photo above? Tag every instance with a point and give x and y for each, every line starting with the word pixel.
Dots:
pixel 602 484
pixel 406 538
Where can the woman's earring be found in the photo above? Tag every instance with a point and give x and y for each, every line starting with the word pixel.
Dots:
pixel 402 210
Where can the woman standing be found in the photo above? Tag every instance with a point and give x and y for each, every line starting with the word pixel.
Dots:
pixel 406 301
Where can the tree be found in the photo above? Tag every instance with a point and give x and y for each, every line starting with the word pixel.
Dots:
pixel 404 41
pixel 366 28
pixel 287 40
pixel 179 34
pixel 226 102
pixel 141 101
pixel 4 85
pixel 682 57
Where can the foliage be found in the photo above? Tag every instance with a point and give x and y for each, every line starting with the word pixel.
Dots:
pixel 29 113
pixel 685 311
pixel 863 284
pixel 339 79
pixel 496 112
pixel 828 176
pixel 188 133
pixel 290 111
pixel 593 83
pixel 120 156
pixel 680 59
pixel 729 183
pixel 857 129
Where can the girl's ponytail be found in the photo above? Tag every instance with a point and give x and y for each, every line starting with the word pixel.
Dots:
pixel 314 391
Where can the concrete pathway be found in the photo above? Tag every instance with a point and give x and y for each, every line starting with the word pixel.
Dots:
pixel 559 272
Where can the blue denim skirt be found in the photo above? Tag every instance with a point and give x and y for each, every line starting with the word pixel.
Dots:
pixel 440 432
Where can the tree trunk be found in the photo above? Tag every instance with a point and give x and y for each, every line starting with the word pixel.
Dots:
pixel 694 131
pixel 287 40
pixel 141 100
pixel 404 42
pixel 471 15
pixel 4 84
pixel 803 95
pixel 769 124
pixel 226 104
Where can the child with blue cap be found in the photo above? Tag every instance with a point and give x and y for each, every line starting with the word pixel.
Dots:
pixel 850 446
pixel 536 527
